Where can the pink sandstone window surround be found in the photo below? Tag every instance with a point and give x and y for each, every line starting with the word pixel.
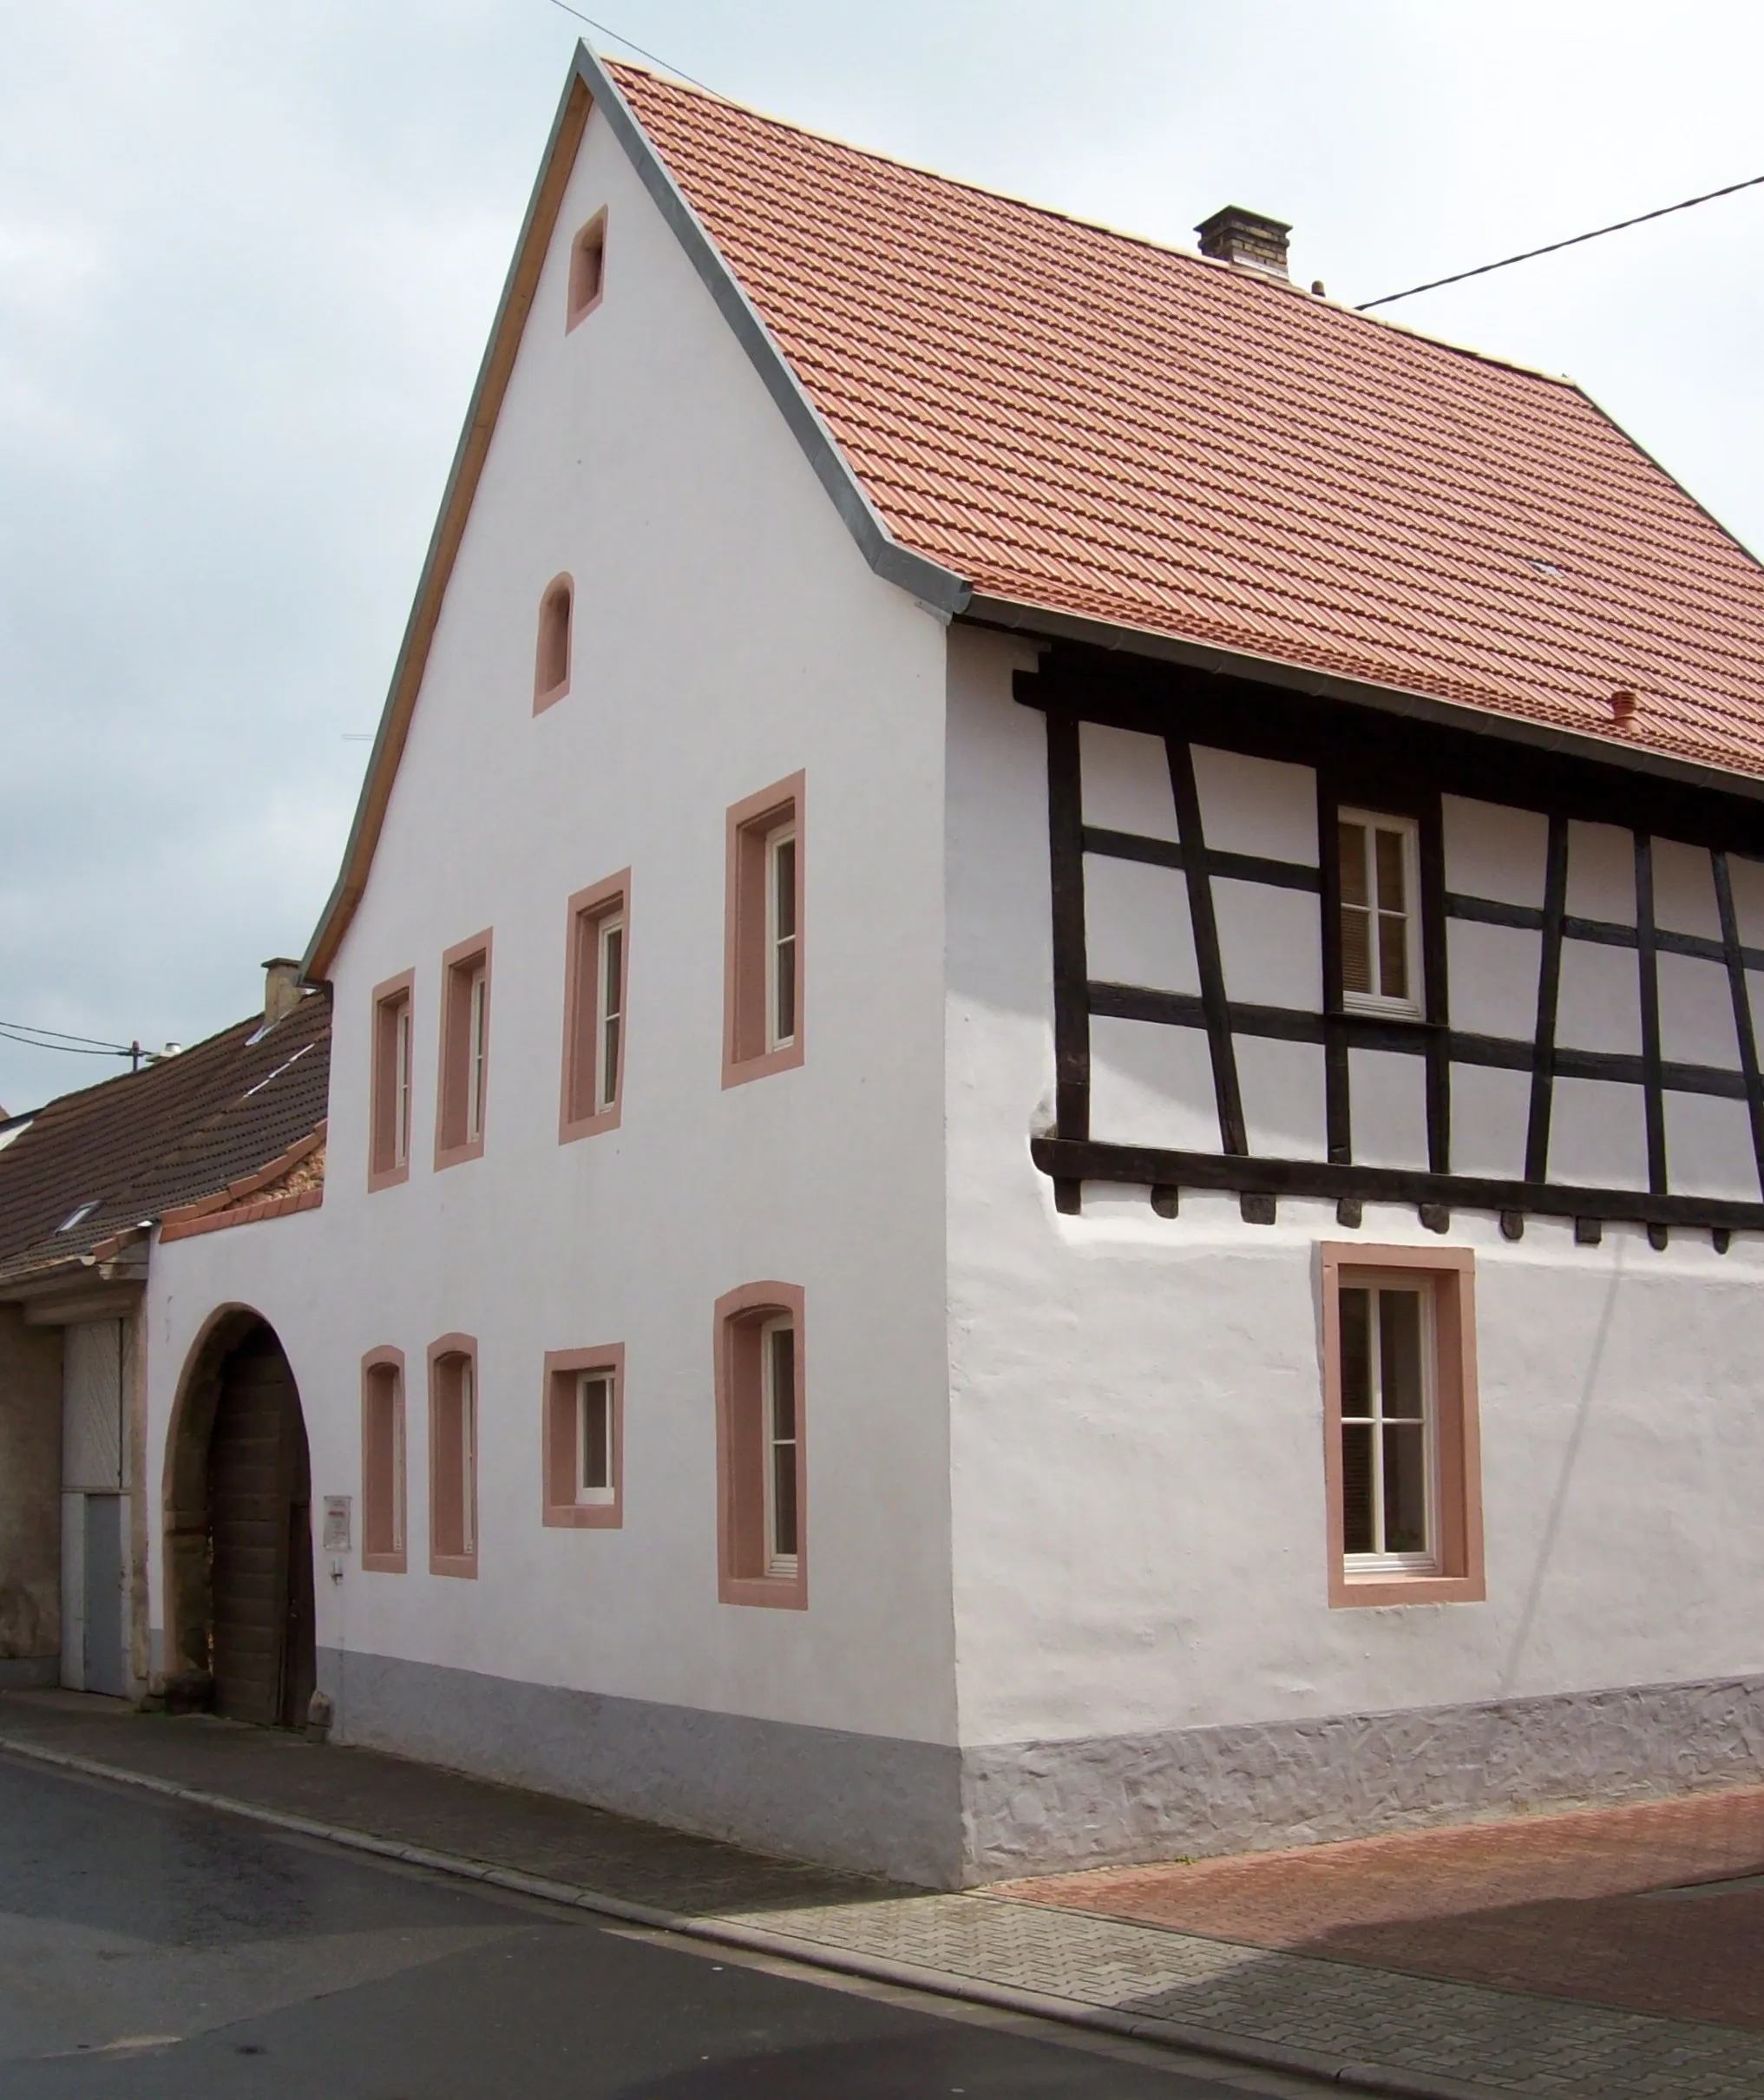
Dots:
pixel 551 659
pixel 463 1082
pixel 1401 1451
pixel 762 1465
pixel 584 1429
pixel 389 1097
pixel 597 960
pixel 382 1484
pixel 453 1456
pixel 763 974
pixel 587 270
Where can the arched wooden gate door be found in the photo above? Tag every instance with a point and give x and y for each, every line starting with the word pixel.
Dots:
pixel 261 1539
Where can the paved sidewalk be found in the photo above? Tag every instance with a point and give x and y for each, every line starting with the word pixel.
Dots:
pixel 1658 1906
pixel 1375 2027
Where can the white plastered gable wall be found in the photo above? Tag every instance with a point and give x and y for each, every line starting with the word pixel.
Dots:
pixel 1147 1662
pixel 727 633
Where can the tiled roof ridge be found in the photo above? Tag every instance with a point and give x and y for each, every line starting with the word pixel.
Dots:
pixel 1233 271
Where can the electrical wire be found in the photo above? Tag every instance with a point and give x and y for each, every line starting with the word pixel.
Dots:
pixel 1555 247
pixel 655 57
pixel 86 1045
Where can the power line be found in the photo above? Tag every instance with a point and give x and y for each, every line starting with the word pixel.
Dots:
pixel 33 1038
pixel 18 1030
pixel 1597 234
pixel 655 57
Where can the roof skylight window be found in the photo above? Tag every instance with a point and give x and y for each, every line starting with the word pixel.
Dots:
pixel 78 1216
pixel 1543 568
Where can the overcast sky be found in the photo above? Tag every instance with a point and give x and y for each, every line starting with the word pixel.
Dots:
pixel 249 255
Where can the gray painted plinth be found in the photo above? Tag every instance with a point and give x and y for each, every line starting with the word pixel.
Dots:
pixel 873 1803
pixel 922 1812
pixel 1038 1807
pixel 29 1672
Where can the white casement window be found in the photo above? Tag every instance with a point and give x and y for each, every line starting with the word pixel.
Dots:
pixel 781 937
pixel 1381 912
pixel 778 1371
pixel 401 1085
pixel 467 1453
pixel 1389 1455
pixel 594 1437
pixel 609 1010
pixel 477 1050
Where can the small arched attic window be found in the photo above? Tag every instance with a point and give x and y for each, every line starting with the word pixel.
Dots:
pixel 551 667
pixel 588 269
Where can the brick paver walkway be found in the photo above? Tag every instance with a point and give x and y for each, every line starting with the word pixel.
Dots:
pixel 1584 1905
pixel 1224 1954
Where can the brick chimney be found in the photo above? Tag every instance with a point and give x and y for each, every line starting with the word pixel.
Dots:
pixel 1236 236
pixel 281 986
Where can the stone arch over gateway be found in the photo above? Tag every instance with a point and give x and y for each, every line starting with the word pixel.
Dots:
pixel 240 1619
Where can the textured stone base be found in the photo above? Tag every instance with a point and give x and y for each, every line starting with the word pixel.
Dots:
pixel 1037 1808
pixel 871 1803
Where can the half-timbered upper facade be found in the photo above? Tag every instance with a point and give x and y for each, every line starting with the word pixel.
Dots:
pixel 1401 963
pixel 1080 936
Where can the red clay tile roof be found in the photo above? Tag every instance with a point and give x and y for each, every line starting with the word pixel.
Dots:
pixel 152 1140
pixel 1079 421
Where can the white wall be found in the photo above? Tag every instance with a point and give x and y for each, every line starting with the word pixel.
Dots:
pixel 1136 1408
pixel 726 634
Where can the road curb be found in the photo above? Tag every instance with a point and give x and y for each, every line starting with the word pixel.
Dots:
pixel 1385 2080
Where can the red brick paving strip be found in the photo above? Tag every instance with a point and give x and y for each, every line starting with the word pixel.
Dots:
pixel 1547 1903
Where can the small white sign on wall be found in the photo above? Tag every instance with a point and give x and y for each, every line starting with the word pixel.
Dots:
pixel 336 1523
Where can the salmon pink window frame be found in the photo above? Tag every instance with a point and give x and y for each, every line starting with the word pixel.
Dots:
pixel 764 933
pixel 392 1063
pixel 569 1504
pixel 454 1426
pixel 745 1322
pixel 596 980
pixel 1446 1278
pixel 587 270
pixel 384 1498
pixel 463 1082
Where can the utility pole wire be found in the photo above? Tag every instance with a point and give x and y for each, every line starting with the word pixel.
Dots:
pixel 19 1030
pixel 1597 234
pixel 655 57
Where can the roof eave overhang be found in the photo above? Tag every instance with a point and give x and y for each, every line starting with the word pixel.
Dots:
pixel 1040 621
pixel 113 1272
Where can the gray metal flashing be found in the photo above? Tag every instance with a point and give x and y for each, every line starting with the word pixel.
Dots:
pixel 941 588
pixel 1016 618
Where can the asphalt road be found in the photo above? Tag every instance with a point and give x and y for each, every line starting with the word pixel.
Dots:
pixel 157 1952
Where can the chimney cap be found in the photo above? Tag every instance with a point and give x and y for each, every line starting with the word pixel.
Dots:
pixel 1252 239
pixel 282 988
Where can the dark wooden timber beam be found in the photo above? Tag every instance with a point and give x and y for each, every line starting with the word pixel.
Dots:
pixel 1150 1167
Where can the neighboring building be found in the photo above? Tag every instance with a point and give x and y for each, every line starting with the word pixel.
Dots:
pixel 231 1132
pixel 1047 1132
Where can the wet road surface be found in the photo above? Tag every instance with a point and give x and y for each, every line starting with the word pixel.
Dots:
pixel 154 1951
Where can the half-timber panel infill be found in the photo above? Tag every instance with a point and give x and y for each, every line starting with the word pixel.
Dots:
pixel 1365 760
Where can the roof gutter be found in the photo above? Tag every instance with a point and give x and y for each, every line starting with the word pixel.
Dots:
pixel 1015 617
